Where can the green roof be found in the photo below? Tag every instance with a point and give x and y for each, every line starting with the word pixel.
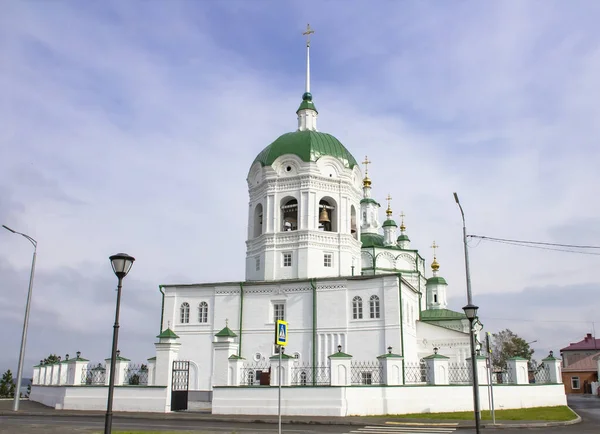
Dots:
pixel 235 357
pixel 283 356
pixel 403 237
pixel 307 103
pixel 389 356
pixel 435 356
pixel 440 315
pixel 308 145
pixel 369 200
pixel 168 333
pixel 436 280
pixel 371 240
pixel 389 223
pixel 226 333
pixel 340 355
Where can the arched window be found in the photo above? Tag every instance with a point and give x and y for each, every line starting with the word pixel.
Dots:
pixel 374 306
pixel 185 313
pixel 258 220
pixel 289 215
pixel 327 216
pixel 250 377
pixel 303 378
pixel 357 308
pixel 203 312
pixel 353 229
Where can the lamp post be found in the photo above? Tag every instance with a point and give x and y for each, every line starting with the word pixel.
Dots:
pixel 471 313
pixel 121 264
pixel 470 308
pixel 25 321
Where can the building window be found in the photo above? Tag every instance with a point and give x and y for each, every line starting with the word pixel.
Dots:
pixel 257 261
pixel 303 378
pixel 328 259
pixel 278 312
pixel 357 312
pixel 575 383
pixel 185 313
pixel 374 306
pixel 435 298
pixel 296 355
pixel 287 259
pixel 203 312
pixel 366 378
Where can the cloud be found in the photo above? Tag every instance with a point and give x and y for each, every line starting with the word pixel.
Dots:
pixel 132 128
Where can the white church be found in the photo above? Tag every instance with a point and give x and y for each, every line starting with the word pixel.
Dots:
pixel 369 329
pixel 319 257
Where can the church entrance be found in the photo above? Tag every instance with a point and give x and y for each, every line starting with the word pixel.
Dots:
pixel 180 385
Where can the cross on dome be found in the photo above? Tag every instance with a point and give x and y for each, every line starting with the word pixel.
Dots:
pixel 402 215
pixel 366 163
pixel 389 208
pixel 307 33
pixel 435 266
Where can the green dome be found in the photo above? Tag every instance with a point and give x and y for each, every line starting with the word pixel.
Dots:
pixel 389 223
pixel 371 240
pixel 308 145
pixel 403 237
pixel 437 280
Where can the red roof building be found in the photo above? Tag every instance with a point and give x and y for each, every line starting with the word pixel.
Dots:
pixel 580 350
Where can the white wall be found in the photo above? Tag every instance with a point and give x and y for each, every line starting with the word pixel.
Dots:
pixel 368 401
pixel 129 398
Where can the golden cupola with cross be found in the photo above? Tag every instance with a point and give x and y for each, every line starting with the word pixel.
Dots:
pixel 305 191
pixel 436 285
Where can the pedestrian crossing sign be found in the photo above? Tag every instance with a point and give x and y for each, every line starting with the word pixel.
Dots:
pixel 281 331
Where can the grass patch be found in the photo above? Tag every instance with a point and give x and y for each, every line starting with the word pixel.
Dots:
pixel 558 413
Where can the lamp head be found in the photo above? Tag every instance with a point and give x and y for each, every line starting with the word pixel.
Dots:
pixel 389 350
pixel 339 348
pixel 8 229
pixel 456 198
pixel 471 311
pixel 121 264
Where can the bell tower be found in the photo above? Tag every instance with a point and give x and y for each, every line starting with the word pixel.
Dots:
pixel 305 195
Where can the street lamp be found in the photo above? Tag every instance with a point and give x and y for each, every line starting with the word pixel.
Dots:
pixel 26 321
pixel 471 313
pixel 121 264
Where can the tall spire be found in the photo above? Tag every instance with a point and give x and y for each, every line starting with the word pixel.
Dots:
pixel 307 112
pixel 307 33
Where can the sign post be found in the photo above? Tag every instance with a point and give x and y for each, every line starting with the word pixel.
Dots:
pixel 490 377
pixel 281 340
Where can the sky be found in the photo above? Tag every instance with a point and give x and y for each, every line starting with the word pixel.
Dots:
pixel 131 126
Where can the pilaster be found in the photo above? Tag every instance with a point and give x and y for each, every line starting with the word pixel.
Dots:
pixel 554 367
pixel 437 369
pixel 151 370
pixel 482 371
pixel 518 372
pixel 392 368
pixel 224 346
pixel 340 369
pixel 286 370
pixel 235 365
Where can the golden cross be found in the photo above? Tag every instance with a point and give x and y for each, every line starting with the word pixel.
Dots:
pixel 226 322
pixel 307 33
pixel 434 246
pixel 388 198
pixel 366 163
pixel 402 215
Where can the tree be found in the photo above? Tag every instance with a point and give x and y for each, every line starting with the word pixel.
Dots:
pixel 506 344
pixel 52 358
pixel 7 385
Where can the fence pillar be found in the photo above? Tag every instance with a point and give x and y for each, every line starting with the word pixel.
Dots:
pixel 518 371
pixel 224 346
pixel 392 368
pixel 437 368
pixel 234 370
pixel 482 370
pixel 554 367
pixel 340 367
pixel 286 370
pixel 121 364
pixel 151 370
pixel 36 375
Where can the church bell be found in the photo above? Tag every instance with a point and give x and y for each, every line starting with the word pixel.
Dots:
pixel 323 217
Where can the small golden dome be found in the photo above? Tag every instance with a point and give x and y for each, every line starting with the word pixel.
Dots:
pixel 434 265
pixel 367 181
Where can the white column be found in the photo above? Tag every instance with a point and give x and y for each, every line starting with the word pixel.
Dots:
pixel 223 348
pixel 121 364
pixel 340 369
pixel 482 371
pixel 392 369
pixel 151 370
pixel 286 370
pixel 554 366
pixel 235 365
pixel 36 375
pixel 437 369
pixel 517 368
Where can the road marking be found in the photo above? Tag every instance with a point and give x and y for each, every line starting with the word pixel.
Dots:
pixel 403 429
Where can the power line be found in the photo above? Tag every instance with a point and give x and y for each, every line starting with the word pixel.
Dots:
pixel 533 245
pixel 540 320
pixel 534 242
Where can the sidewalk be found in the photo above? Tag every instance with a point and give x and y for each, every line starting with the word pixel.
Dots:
pixel 27 408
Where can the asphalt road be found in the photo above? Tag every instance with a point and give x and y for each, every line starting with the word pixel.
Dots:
pixel 588 408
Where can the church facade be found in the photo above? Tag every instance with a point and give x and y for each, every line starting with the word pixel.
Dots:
pixel 319 257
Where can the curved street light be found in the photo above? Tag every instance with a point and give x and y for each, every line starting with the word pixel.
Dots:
pixel 121 264
pixel 26 320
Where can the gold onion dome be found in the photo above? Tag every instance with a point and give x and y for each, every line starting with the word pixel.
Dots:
pixel 367 181
pixel 435 266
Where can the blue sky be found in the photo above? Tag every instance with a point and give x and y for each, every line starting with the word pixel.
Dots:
pixel 131 126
